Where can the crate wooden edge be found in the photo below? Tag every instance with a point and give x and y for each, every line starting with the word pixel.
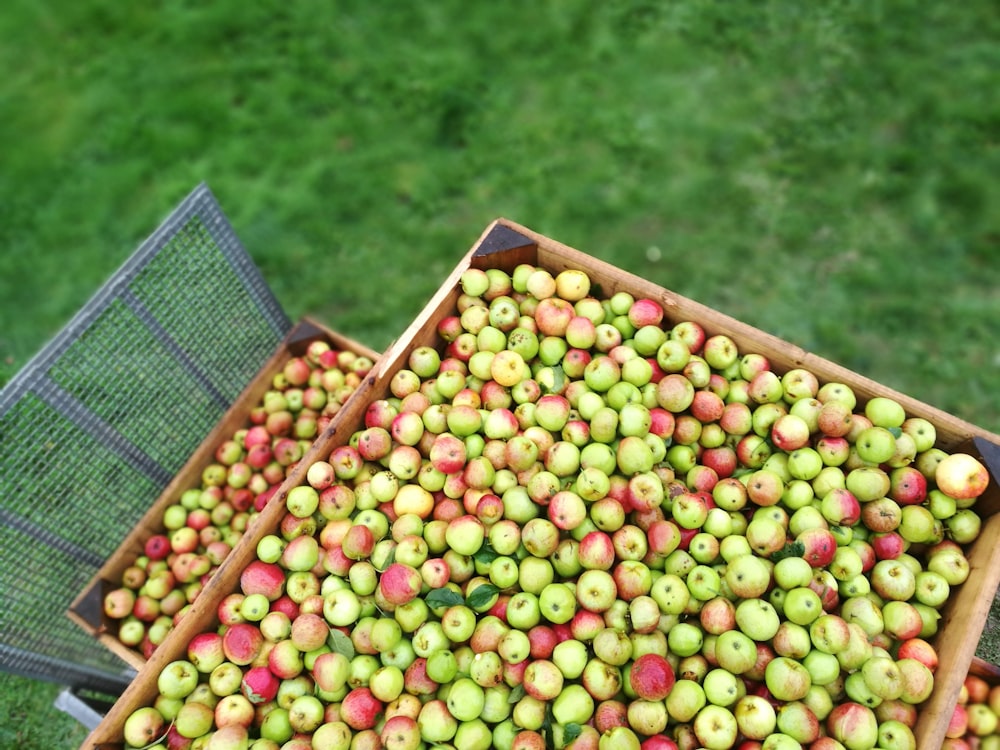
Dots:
pixel 986 670
pixel 984 576
pixel 558 256
pixel 959 630
pixel 85 609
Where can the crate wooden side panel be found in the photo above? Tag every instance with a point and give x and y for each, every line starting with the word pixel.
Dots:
pixel 952 432
pixel 960 627
pixel 986 670
pixel 504 245
pixel 86 610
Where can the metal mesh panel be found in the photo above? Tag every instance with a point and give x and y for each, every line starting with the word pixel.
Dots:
pixel 67 490
pixel 38 640
pixel 97 424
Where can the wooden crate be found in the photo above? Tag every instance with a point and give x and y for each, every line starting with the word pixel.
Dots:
pixel 87 610
pixel 987 670
pixel 505 244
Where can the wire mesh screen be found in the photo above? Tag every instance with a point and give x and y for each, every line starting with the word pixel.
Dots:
pixel 96 425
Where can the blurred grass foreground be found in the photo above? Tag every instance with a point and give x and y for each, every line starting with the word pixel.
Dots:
pixel 826 172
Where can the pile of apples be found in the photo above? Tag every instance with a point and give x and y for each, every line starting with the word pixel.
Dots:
pixel 201 528
pixel 974 724
pixel 576 524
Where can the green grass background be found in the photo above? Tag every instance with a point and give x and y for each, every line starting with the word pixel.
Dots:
pixel 824 171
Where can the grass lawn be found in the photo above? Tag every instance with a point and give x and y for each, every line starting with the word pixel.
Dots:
pixel 28 719
pixel 824 171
